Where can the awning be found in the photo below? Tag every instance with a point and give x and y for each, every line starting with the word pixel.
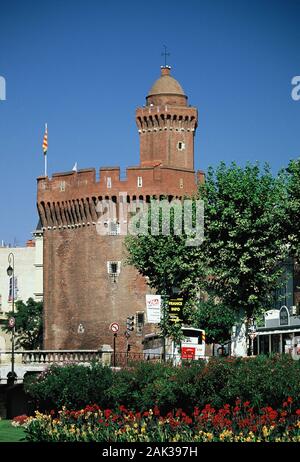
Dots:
pixel 279 331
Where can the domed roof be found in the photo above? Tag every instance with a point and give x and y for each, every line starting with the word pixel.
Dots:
pixel 166 85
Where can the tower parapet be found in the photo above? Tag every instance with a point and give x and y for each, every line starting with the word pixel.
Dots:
pixel 167 125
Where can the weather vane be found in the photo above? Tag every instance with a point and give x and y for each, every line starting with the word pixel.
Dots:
pixel 165 54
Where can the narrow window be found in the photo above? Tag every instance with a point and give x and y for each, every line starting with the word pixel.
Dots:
pixel 62 186
pixel 140 182
pixel 181 183
pixel 180 145
pixel 140 321
pixel 108 182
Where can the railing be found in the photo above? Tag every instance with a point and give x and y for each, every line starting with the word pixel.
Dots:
pixel 105 356
pixel 52 356
pixel 127 359
pixel 61 356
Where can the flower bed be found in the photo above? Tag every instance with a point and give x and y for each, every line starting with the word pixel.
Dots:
pixel 239 423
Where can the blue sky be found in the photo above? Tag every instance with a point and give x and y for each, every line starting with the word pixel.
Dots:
pixel 84 67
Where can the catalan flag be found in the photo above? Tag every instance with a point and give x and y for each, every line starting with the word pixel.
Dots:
pixel 45 140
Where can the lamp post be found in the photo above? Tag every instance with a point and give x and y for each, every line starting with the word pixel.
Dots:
pixel 252 335
pixel 11 322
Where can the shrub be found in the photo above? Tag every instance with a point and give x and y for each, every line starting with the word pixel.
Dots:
pixel 262 381
pixel 73 386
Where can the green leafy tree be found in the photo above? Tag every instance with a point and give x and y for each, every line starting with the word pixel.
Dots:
pixel 244 239
pixel 240 261
pixel 292 222
pixel 167 262
pixel 29 324
pixel 216 319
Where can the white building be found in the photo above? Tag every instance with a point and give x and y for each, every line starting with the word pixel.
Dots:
pixel 28 280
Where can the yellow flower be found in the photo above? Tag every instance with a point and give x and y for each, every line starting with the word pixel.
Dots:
pixel 209 436
pixel 265 431
pixel 143 429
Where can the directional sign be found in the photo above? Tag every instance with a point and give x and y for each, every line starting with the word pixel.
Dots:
pixel 114 327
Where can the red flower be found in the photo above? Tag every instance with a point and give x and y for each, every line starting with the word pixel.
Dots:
pixel 196 411
pixel 178 412
pixel 107 413
pixel 156 411
pixel 187 420
pixel 290 400
pixel 298 412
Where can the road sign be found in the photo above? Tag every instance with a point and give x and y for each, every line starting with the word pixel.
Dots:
pixel 11 322
pixel 114 327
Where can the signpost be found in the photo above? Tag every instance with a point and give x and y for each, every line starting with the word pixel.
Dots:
pixel 114 327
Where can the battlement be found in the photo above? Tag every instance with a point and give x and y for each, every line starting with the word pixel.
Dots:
pixel 145 178
pixel 69 199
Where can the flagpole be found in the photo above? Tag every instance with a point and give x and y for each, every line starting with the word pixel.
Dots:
pixel 46 147
pixel 45 163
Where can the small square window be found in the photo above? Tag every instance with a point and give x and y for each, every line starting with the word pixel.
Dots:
pixel 113 269
pixel 108 182
pixel 140 182
pixel 114 229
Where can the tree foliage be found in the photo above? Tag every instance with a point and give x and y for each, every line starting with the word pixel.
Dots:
pixel 29 324
pixel 216 319
pixel 240 259
pixel 292 222
pixel 244 238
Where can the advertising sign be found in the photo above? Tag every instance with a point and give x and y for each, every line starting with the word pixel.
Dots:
pixel 153 305
pixel 188 352
pixel 175 308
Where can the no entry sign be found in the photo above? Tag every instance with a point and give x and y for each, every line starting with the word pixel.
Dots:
pixel 114 327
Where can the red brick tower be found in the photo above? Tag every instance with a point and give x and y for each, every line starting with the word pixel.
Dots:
pixel 167 125
pixel 86 283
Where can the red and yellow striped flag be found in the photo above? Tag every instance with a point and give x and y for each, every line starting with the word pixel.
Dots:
pixel 45 140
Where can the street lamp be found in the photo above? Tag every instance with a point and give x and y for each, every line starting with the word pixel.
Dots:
pixel 252 335
pixel 11 322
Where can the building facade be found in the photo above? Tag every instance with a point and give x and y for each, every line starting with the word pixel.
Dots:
pixel 87 283
pixel 279 330
pixel 28 278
